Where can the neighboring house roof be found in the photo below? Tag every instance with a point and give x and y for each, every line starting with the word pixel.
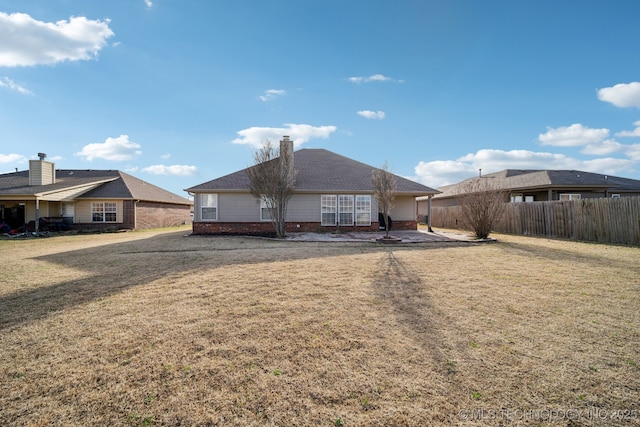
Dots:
pixel 87 184
pixel 319 170
pixel 520 180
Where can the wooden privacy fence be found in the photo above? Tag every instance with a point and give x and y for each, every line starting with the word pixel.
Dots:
pixel 604 220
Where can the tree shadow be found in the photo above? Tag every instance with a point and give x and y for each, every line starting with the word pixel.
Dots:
pixel 115 267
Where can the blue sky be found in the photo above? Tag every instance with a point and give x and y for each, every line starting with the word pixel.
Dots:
pixel 178 92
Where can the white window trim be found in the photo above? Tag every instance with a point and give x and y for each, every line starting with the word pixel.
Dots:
pixel 104 211
pixel 324 198
pixel 346 206
pixel 206 196
pixel 264 208
pixel 615 195
pixel 337 203
pixel 357 213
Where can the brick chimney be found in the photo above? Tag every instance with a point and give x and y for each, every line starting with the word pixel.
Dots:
pixel 41 172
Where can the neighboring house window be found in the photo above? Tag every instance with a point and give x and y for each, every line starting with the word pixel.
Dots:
pixel 103 211
pixel 209 207
pixel 363 210
pixel 528 199
pixel 329 209
pixel 516 198
pixel 568 196
pixel 345 209
pixel 266 214
pixel 615 196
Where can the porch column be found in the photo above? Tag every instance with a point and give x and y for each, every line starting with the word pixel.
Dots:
pixel 37 215
pixel 429 214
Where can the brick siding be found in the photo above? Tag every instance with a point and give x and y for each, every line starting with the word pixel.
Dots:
pixel 266 228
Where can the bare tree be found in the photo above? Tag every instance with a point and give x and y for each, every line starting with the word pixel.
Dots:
pixel 272 181
pixel 483 203
pixel 385 187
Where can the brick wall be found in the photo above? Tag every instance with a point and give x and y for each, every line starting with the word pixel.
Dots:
pixel 266 228
pixel 157 215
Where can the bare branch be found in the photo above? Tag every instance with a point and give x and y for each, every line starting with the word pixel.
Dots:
pixel 385 187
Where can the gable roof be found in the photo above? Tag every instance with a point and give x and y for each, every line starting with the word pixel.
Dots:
pixel 87 184
pixel 319 170
pixel 518 179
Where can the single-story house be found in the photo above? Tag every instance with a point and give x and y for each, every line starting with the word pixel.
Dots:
pixel 331 192
pixel 541 185
pixel 86 200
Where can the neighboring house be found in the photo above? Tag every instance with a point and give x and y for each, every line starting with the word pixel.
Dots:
pixel 541 185
pixel 331 192
pixel 86 200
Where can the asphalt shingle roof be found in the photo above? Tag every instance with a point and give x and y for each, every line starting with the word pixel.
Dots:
pixel 111 184
pixel 516 179
pixel 319 170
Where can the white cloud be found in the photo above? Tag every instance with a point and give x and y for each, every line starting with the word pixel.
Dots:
pixel 373 78
pixel 149 3
pixel 182 170
pixel 299 134
pixel 27 42
pixel 118 149
pixel 631 133
pixel 376 115
pixel 571 136
pixel 621 95
pixel 604 148
pixel 12 158
pixel 8 83
pixel 165 156
pixel 271 94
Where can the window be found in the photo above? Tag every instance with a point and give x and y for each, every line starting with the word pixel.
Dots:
pixel 103 211
pixel 209 207
pixel 516 198
pixel 266 213
pixel 363 210
pixel 568 196
pixel 345 209
pixel 615 196
pixel 329 208
pixel 529 199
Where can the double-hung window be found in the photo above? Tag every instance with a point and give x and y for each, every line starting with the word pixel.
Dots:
pixel 329 209
pixel 209 207
pixel 363 210
pixel 266 213
pixel 103 211
pixel 345 209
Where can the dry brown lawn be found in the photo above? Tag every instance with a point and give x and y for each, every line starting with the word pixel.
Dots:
pixel 157 328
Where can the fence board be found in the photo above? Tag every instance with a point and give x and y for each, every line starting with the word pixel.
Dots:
pixel 604 220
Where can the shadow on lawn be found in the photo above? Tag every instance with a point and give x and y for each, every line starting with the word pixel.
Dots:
pixel 116 267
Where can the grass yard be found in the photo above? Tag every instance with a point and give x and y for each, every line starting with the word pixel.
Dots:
pixel 155 328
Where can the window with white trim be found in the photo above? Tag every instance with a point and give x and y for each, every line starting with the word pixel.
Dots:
pixel 615 196
pixel 345 209
pixel 266 213
pixel 570 196
pixel 516 197
pixel 328 209
pixel 103 211
pixel 363 210
pixel 209 207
